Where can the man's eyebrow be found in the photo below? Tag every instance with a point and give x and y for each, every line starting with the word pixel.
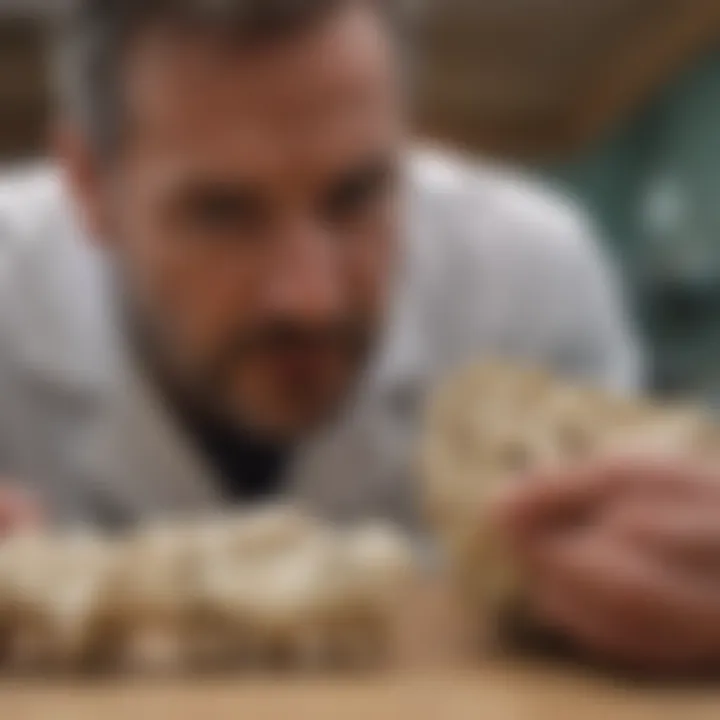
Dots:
pixel 230 191
pixel 381 167
pixel 376 171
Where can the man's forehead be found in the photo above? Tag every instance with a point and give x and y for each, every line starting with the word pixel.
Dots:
pixel 334 83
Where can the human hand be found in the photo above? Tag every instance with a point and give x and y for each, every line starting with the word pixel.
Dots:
pixel 623 557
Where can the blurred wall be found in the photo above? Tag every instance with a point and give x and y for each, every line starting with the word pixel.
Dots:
pixel 542 79
pixel 24 89
pixel 524 79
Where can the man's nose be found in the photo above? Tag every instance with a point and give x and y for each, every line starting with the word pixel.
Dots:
pixel 305 278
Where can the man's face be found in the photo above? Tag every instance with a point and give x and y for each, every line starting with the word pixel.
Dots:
pixel 251 210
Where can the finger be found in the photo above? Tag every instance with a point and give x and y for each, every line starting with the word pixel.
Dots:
pixel 547 498
pixel 685 534
pixel 610 639
pixel 573 493
pixel 632 588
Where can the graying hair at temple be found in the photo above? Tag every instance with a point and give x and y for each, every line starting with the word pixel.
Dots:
pixel 95 34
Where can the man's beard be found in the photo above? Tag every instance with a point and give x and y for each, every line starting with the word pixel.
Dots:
pixel 205 383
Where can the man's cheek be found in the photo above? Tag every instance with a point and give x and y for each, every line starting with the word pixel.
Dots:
pixel 201 316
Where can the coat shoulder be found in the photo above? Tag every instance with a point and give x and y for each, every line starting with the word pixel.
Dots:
pixel 486 203
pixel 51 298
pixel 515 267
pixel 33 212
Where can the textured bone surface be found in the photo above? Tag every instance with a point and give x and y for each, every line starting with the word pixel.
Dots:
pixel 247 590
pixel 491 425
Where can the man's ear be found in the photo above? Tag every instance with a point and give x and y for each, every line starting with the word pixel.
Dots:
pixel 84 178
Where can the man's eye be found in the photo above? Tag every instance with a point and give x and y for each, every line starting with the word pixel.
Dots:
pixel 356 195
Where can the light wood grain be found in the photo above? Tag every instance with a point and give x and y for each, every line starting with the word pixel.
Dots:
pixel 503 691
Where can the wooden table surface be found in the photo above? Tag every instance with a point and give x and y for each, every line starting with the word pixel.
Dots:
pixel 505 692
pixel 432 679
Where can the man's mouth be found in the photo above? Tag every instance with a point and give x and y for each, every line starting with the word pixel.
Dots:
pixel 308 361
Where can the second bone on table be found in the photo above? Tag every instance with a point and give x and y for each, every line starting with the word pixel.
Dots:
pixel 253 590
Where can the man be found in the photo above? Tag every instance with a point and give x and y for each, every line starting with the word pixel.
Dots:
pixel 273 283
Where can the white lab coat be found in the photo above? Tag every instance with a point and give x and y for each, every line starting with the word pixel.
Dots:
pixel 491 266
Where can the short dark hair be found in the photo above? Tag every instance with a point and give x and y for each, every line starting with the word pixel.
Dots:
pixel 95 35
